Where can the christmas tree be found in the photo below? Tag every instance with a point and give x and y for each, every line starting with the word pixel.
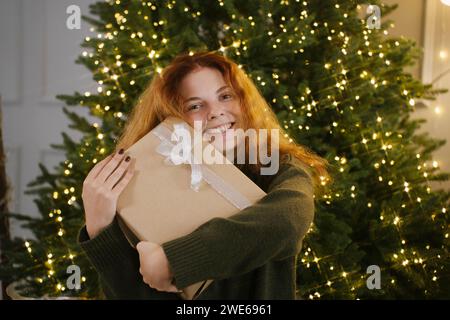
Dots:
pixel 337 85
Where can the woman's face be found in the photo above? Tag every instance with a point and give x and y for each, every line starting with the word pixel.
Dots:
pixel 207 98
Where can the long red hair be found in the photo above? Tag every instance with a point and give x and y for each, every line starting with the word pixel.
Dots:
pixel 162 99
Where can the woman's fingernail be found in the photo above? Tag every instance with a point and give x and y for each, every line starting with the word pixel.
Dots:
pixel 121 151
pixel 127 158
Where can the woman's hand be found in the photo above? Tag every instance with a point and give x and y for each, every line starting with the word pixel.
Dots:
pixel 155 268
pixel 102 188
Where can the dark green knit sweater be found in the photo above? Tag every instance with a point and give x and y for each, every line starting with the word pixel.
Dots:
pixel 250 255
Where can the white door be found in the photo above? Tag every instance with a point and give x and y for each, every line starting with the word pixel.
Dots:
pixel 37 61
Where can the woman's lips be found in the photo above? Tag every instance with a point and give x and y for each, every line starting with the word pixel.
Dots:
pixel 222 129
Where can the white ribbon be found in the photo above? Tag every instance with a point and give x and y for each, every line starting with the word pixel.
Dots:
pixel 172 151
pixel 199 171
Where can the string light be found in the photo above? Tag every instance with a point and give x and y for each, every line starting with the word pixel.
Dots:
pixel 437 110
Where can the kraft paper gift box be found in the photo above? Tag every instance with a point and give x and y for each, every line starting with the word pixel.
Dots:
pixel 168 198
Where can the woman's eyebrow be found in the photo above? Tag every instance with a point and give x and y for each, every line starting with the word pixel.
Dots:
pixel 217 91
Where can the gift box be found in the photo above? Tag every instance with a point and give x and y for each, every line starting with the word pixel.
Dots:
pixel 174 189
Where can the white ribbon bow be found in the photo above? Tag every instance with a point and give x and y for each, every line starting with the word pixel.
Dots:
pixel 172 153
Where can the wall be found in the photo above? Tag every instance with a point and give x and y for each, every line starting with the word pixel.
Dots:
pixel 428 23
pixel 37 55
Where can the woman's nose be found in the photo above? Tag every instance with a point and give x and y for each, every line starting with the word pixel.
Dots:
pixel 215 112
pixel 212 117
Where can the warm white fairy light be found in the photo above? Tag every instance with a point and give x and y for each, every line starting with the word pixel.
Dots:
pixel 406 185
pixel 437 110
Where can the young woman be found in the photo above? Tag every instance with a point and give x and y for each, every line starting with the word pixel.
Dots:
pixel 250 255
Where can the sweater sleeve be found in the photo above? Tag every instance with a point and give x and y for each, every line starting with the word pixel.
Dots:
pixel 271 229
pixel 117 264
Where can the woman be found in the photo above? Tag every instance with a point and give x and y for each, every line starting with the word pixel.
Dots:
pixel 250 255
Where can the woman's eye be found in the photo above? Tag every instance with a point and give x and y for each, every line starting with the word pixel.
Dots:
pixel 227 95
pixel 193 107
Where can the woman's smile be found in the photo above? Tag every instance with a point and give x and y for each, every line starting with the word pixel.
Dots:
pixel 220 128
pixel 224 130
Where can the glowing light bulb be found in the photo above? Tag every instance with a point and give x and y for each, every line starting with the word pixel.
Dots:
pixel 437 109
